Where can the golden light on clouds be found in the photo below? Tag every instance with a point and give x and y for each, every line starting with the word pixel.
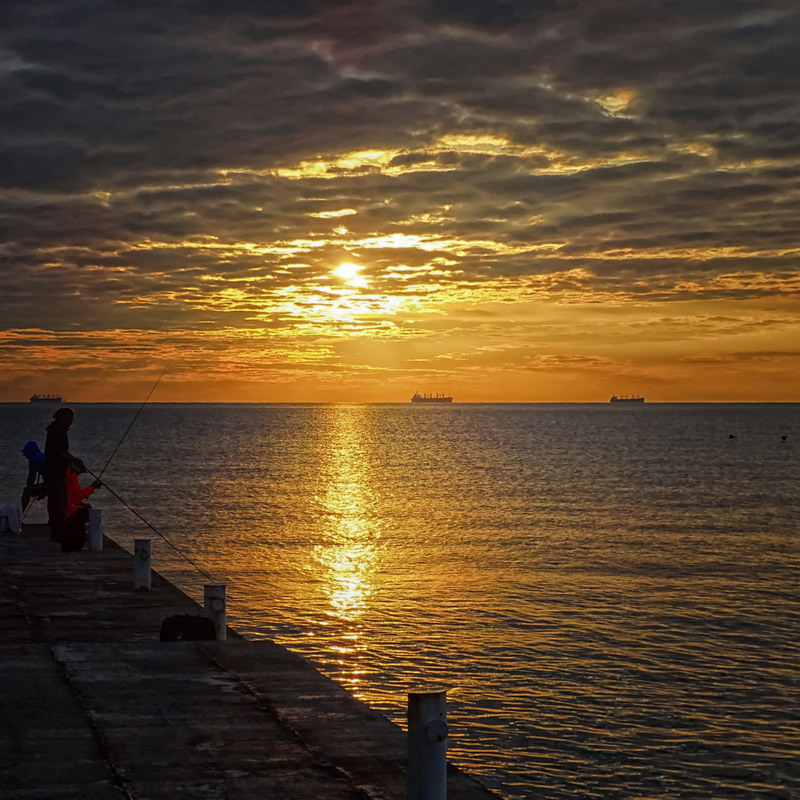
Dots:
pixel 342 212
pixel 615 103
pixel 689 253
pixel 438 156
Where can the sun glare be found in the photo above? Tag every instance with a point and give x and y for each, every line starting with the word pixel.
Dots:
pixel 349 274
pixel 347 271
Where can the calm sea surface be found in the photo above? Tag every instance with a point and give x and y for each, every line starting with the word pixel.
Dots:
pixel 611 593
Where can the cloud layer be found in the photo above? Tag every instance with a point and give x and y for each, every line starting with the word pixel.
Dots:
pixel 560 196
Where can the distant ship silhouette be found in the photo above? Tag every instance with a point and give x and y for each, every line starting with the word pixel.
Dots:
pixel 45 398
pixel 626 399
pixel 431 398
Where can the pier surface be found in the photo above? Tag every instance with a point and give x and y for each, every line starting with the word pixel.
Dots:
pixel 94 706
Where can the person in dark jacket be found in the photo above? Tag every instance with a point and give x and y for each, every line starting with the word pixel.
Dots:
pixel 58 460
pixel 34 485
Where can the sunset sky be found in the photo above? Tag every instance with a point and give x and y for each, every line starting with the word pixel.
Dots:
pixel 506 200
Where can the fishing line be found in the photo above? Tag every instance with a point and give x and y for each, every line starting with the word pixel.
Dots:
pixel 132 421
pixel 157 532
pixel 129 507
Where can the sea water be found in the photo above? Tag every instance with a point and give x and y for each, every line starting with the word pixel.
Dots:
pixel 611 593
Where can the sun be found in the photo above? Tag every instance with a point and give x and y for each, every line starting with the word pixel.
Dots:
pixel 347 271
pixel 349 274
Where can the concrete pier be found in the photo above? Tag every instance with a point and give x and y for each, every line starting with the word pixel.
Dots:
pixel 94 706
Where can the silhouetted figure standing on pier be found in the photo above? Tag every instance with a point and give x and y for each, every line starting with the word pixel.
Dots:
pixel 58 459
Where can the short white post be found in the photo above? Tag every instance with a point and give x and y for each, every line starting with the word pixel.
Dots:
pixel 141 564
pixel 95 529
pixel 427 745
pixel 214 608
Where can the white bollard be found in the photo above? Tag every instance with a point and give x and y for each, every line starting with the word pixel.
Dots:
pixel 214 607
pixel 427 745
pixel 95 529
pixel 141 564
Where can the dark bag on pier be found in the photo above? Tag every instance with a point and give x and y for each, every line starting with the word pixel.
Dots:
pixel 75 536
pixel 184 627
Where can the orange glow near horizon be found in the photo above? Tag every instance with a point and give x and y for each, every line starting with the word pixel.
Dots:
pixel 442 289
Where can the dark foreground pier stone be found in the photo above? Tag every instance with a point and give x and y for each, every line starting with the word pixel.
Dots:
pixel 93 705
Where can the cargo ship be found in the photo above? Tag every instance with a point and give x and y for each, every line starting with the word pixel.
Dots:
pixel 626 399
pixel 431 398
pixel 45 398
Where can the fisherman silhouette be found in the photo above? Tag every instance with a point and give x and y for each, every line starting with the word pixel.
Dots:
pixel 58 459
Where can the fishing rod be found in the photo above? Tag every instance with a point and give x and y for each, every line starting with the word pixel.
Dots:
pixel 152 528
pixel 127 505
pixel 132 421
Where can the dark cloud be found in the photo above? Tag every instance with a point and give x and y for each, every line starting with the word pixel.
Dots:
pixel 48 165
pixel 493 13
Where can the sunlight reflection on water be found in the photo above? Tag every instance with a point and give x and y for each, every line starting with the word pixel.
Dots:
pixel 346 559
